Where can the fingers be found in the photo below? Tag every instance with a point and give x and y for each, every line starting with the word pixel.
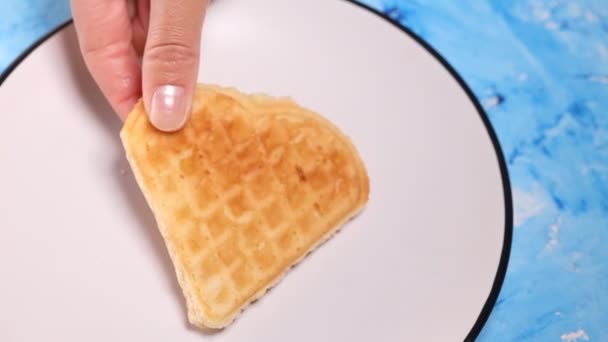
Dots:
pixel 108 52
pixel 171 60
pixel 139 22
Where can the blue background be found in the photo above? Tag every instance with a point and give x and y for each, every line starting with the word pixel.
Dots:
pixel 540 69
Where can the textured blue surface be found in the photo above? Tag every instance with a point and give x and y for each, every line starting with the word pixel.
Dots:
pixel 540 68
pixel 24 21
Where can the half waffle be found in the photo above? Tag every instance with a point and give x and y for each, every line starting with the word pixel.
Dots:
pixel 243 192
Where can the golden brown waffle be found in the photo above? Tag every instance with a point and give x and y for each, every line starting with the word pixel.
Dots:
pixel 244 191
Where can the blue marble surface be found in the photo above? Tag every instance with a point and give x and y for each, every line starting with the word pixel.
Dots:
pixel 540 68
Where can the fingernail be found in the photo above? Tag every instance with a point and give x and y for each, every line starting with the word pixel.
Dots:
pixel 168 108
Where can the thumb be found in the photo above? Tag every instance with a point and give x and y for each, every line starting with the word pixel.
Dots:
pixel 171 61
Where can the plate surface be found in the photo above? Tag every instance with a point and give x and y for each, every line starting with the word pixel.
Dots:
pixel 82 259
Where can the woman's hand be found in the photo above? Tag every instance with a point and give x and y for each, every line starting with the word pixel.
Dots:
pixel 114 34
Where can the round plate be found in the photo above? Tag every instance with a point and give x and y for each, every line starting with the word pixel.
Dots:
pixel 82 259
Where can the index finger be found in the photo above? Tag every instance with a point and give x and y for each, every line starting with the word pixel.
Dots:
pixel 105 39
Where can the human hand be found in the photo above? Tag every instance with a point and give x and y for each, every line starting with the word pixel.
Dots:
pixel 114 34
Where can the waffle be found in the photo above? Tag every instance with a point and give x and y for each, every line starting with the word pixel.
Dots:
pixel 249 187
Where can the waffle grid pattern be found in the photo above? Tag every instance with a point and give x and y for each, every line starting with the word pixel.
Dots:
pixel 269 186
pixel 248 188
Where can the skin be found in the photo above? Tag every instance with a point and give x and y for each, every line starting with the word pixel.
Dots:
pixel 151 52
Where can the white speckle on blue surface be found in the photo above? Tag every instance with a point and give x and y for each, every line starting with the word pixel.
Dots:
pixel 492 101
pixel 541 13
pixel 540 69
pixel 575 336
pixel 599 78
pixel 590 16
pixel 553 232
pixel 551 25
pixel 527 205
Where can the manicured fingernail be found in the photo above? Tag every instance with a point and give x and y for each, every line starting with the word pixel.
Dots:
pixel 168 108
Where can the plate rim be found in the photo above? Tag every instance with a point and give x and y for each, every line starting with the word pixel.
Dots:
pixel 501 270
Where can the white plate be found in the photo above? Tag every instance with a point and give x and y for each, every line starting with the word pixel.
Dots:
pixel 81 258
